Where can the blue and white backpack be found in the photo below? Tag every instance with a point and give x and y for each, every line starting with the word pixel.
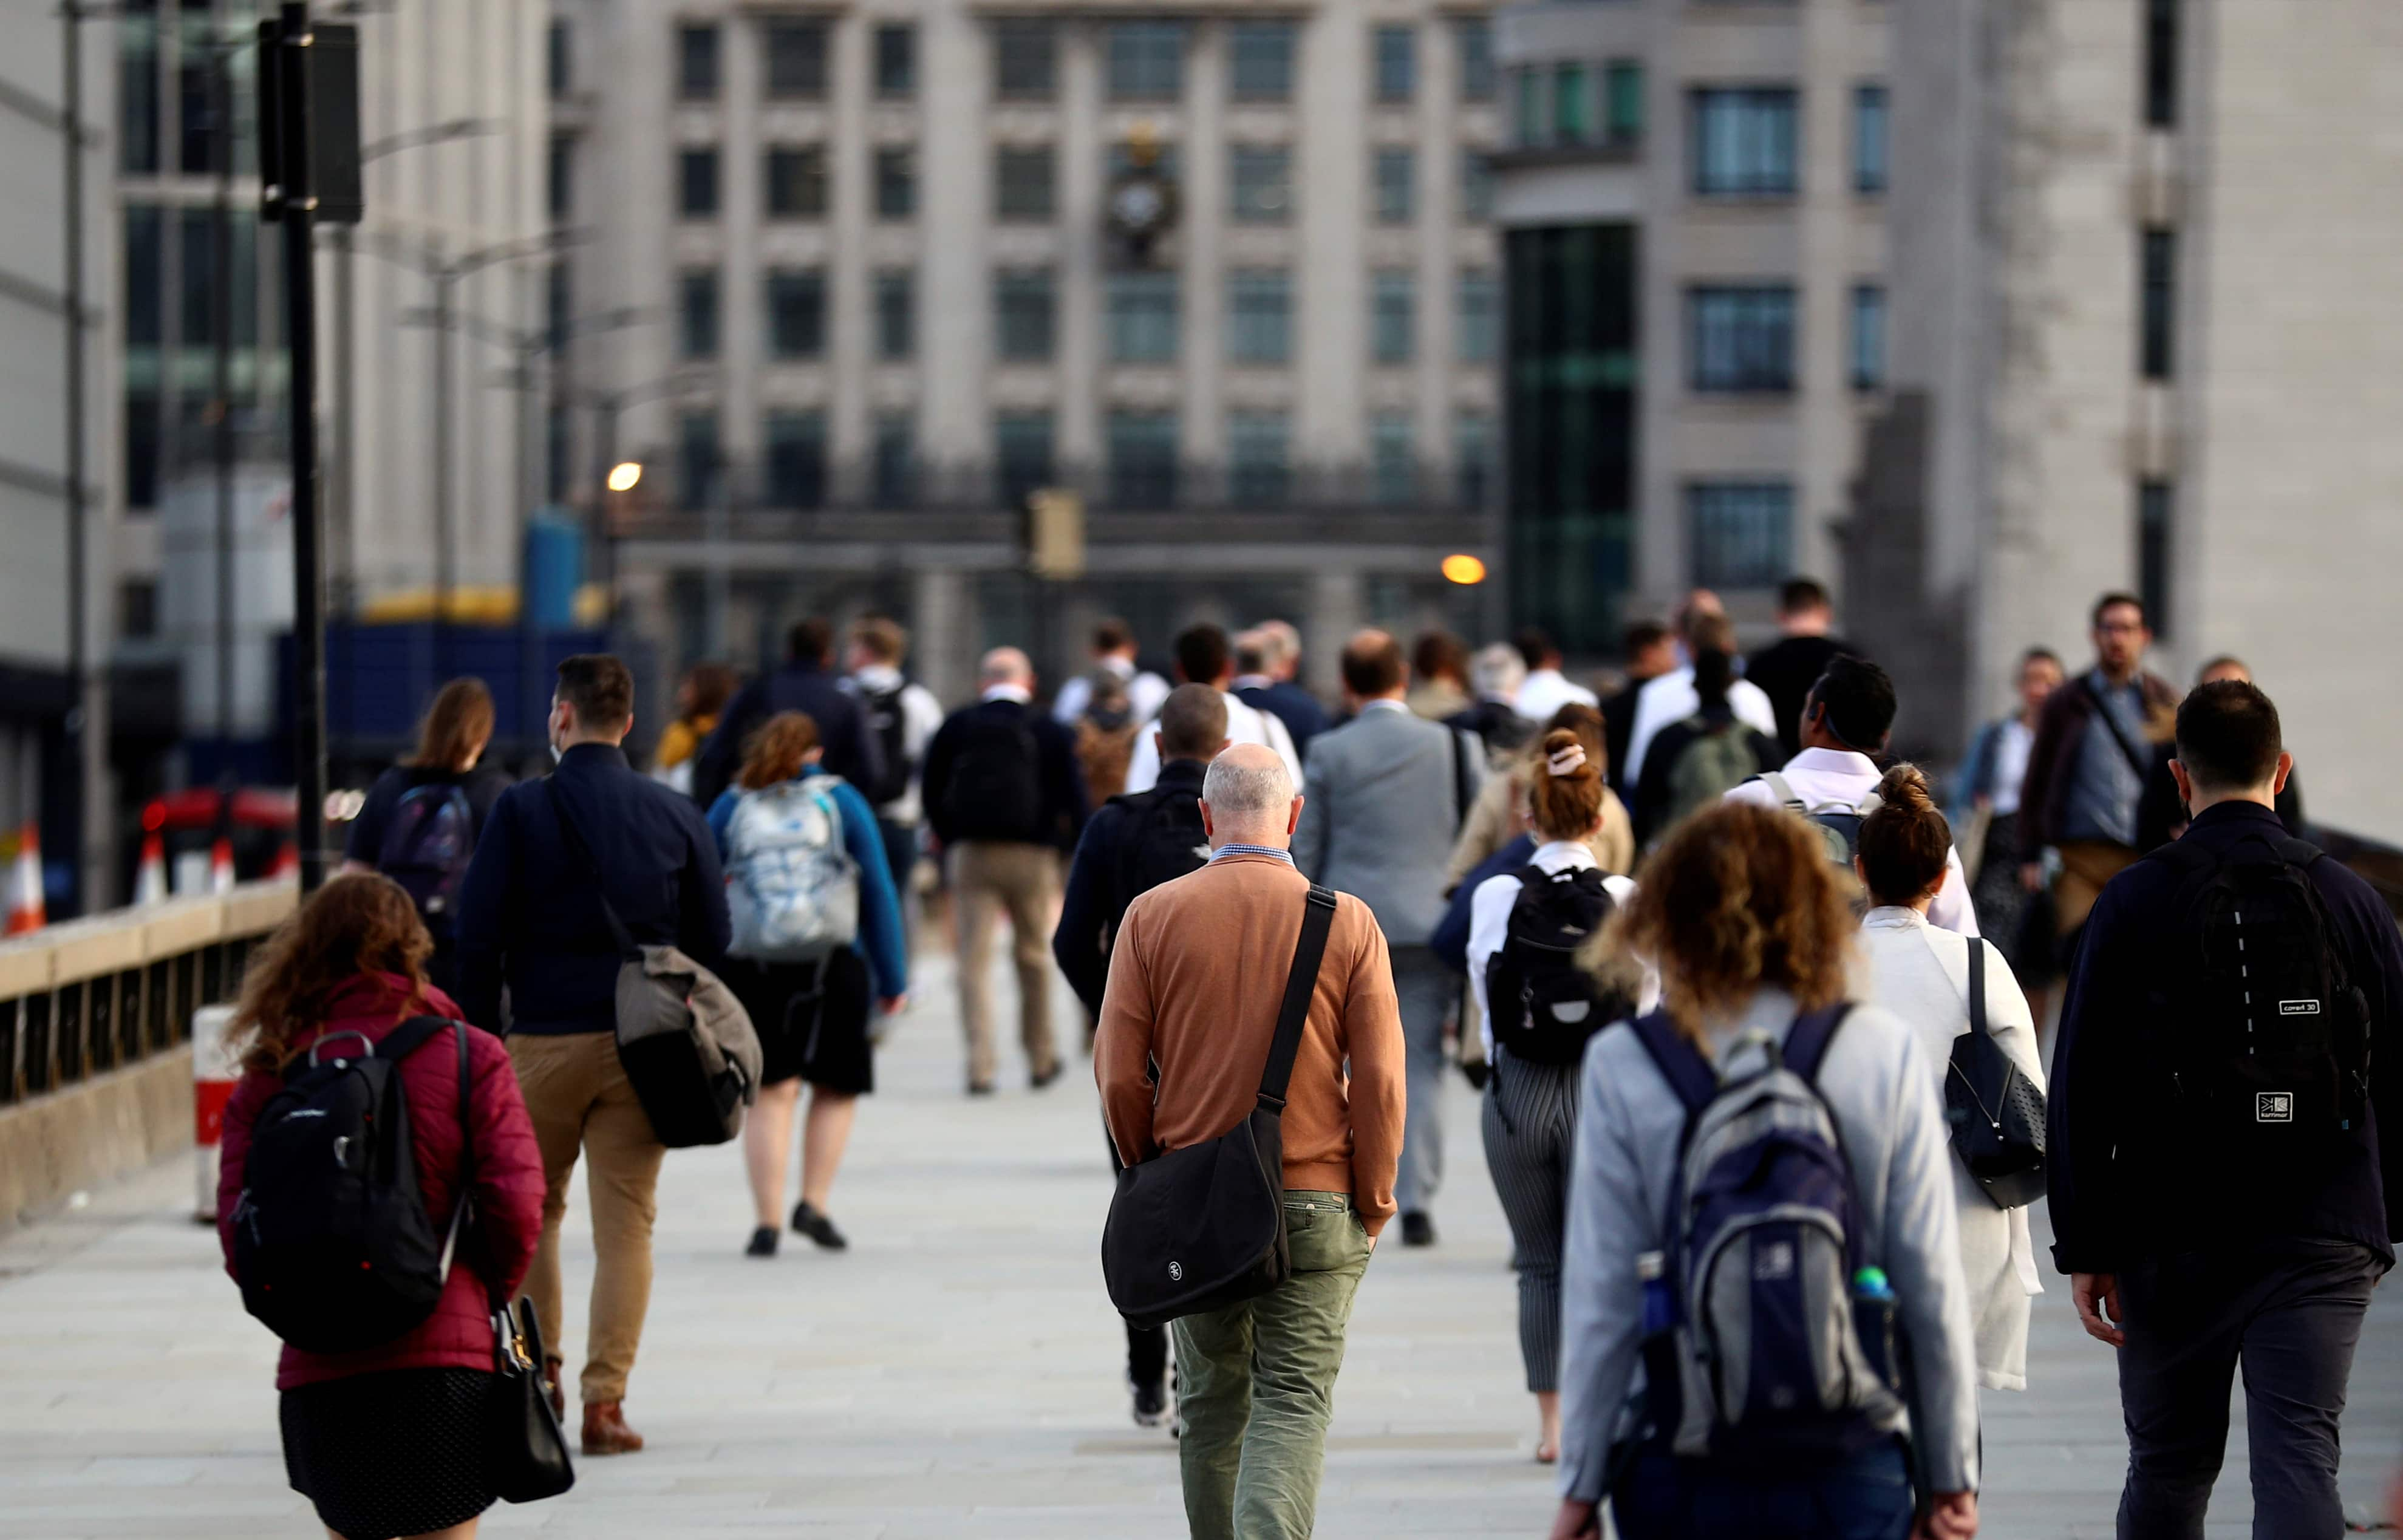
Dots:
pixel 791 888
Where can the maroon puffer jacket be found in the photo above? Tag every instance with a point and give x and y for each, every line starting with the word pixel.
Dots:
pixel 508 1183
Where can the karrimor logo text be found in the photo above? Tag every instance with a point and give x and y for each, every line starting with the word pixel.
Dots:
pixel 2273 1107
pixel 2299 1008
pixel 1176 1272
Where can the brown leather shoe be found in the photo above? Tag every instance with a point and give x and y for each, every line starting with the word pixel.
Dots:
pixel 606 1431
pixel 553 1369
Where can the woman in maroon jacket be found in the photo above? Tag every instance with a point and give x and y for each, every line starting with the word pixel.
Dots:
pixel 389 1440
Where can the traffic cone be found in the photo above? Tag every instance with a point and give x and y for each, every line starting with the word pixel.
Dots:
pixel 221 865
pixel 150 880
pixel 287 864
pixel 25 884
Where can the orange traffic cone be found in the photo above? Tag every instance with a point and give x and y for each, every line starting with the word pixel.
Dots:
pixel 150 880
pixel 25 884
pixel 287 863
pixel 221 865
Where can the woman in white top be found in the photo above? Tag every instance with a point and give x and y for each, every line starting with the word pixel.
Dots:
pixel 1530 1118
pixel 1922 975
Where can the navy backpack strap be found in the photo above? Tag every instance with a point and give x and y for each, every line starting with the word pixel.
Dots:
pixel 1680 1064
pixel 411 1035
pixel 1807 1040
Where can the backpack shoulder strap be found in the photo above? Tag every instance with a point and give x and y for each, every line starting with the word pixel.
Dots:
pixel 2299 852
pixel 411 1035
pixel 1783 790
pixel 2137 761
pixel 1682 1064
pixel 1977 987
pixel 1308 952
pixel 1807 1040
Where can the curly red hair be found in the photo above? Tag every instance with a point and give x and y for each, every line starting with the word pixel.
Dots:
pixel 361 923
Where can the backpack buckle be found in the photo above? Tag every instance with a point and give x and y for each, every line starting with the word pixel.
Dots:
pixel 1271 1104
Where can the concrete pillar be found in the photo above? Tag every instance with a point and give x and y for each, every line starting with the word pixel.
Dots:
pixel 1338 607
pixel 1078 342
pixel 1438 174
pixel 943 605
pixel 1330 170
pixel 851 308
pixel 743 312
pixel 955 287
pixel 1201 298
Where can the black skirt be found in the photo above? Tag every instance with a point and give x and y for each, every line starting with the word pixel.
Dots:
pixel 395 1454
pixel 811 1020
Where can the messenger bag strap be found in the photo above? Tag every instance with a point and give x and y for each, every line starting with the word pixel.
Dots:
pixel 1977 987
pixel 627 946
pixel 2136 762
pixel 1318 919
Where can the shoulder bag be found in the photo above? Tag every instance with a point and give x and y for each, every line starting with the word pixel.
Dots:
pixel 1203 1228
pixel 1997 1113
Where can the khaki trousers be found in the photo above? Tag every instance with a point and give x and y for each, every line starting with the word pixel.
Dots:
pixel 579 1099
pixel 2087 865
pixel 987 877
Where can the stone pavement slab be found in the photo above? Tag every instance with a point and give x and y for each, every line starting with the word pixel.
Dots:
pixel 958 1373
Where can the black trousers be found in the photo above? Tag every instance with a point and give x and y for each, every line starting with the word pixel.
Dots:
pixel 2290 1313
pixel 1147 1346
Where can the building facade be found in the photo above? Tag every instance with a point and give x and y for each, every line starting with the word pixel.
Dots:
pixel 1223 271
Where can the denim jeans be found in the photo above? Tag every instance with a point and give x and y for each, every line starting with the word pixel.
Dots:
pixel 1866 1497
pixel 1256 1383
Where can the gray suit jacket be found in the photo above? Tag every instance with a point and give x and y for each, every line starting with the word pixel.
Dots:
pixel 1383 798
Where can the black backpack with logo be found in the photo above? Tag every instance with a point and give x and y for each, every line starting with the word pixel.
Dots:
pixel 889 725
pixel 331 1242
pixel 1545 1005
pixel 1164 838
pixel 427 843
pixel 995 791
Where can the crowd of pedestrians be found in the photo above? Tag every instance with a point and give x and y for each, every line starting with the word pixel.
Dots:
pixel 1755 1030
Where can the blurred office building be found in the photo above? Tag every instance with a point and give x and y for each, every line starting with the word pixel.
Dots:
pixel 1225 275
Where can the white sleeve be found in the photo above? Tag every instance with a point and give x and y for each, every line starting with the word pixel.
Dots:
pixel 1645 728
pixel 1647 994
pixel 1070 702
pixel 1146 694
pixel 1953 910
pixel 1488 926
pixel 1142 771
pixel 1273 733
pixel 1755 792
pixel 921 715
pixel 1752 706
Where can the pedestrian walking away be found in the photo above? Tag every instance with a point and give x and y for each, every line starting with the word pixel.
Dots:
pixel 2162 817
pixel 817 947
pixel 1788 668
pixel 1196 983
pixel 1105 733
pixel 1672 698
pixel 1922 974
pixel 1114 653
pixel 1386 796
pixel 1265 660
pixel 1204 657
pixel 2221 1193
pixel 1985 819
pixel 1833 1272
pixel 1007 802
pixel 1528 928
pixel 902 717
pixel 1438 676
pixel 1694 763
pixel 1649 650
pixel 391 1437
pixel 1495 674
pixel 806 683
pixel 700 701
pixel 1546 689
pixel 422 818
pixel 558 857
pixel 1498 818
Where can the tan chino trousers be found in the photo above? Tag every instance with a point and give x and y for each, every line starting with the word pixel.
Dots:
pixel 988 877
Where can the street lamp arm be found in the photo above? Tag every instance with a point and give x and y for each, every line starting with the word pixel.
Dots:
pixel 433 134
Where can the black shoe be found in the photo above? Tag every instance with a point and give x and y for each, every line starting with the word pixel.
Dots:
pixel 1417 1230
pixel 1150 1403
pixel 980 1087
pixel 763 1241
pixel 818 1227
pixel 1046 1076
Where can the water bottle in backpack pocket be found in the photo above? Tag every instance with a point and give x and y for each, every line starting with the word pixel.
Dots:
pixel 1545 1006
pixel 427 846
pixel 792 889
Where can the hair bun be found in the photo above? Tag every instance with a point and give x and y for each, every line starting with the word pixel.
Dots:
pixel 1905 787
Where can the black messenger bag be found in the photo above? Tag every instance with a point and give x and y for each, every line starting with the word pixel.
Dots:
pixel 1203 1228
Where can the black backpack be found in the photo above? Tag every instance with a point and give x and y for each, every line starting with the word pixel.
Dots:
pixel 888 724
pixel 1545 1005
pixel 995 791
pixel 1164 838
pixel 427 843
pixel 331 1242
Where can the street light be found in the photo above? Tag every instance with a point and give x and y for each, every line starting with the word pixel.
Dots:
pixel 625 476
pixel 1464 569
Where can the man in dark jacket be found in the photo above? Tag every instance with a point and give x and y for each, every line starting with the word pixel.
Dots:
pixel 806 683
pixel 1007 800
pixel 2220 1191
pixel 2161 816
pixel 532 917
pixel 1788 667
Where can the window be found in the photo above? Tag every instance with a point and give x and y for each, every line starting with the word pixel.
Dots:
pixel 795 314
pixel 1259 469
pixel 1143 459
pixel 1476 187
pixel 698 464
pixel 1741 339
pixel 1393 465
pixel 1143 317
pixel 797 182
pixel 558 299
pixel 1260 61
pixel 1120 162
pixel 697 314
pixel 1146 61
pixel 144 441
pixel 896 481
pixel 197 242
pixel 896 315
pixel 797 459
pixel 1391 316
pixel 558 450
pixel 696 184
pixel 2159 343
pixel 1022 182
pixel 1474 36
pixel 1025 60
pixel 1259 316
pixel 145 275
pixel 1743 532
pixel 137 608
pixel 1395 177
pixel 1023 307
pixel 559 58
pixel 697 63
pixel 896 61
pixel 896 183
pixel 1481 316
pixel 1528 115
pixel 1622 101
pixel 2161 65
pixel 1396 64
pixel 1022 442
pixel 562 176
pixel 1745 142
pixel 1262 183
pixel 196 88
pixel 137 89
pixel 1571 118
pixel 1472 459
pixel 797 60
pixel 1869 139
pixel 2156 508
pixel 1868 336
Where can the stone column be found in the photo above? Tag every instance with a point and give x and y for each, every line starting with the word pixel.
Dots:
pixel 1078 152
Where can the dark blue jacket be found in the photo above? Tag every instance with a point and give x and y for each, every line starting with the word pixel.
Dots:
pixel 1100 886
pixel 528 916
pixel 852 751
pixel 2128 1181
pixel 1289 703
pixel 1451 937
pixel 1060 816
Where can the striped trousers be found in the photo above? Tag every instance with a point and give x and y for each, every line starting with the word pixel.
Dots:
pixel 1530 1123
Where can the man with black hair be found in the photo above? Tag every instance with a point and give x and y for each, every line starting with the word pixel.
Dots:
pixel 807 682
pixel 2220 1191
pixel 1204 657
pixel 1788 668
pixel 2161 816
pixel 1672 698
pixel 1114 653
pixel 1546 689
pixel 1647 651
pixel 1845 724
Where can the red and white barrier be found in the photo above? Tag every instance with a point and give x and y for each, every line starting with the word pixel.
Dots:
pixel 25 911
pixel 213 1073
pixel 150 880
pixel 221 877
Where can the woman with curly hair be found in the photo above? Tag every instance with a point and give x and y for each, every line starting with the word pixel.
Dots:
pixel 390 1440
pixel 1740 913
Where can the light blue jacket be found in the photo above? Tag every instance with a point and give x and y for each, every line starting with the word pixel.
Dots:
pixel 879 939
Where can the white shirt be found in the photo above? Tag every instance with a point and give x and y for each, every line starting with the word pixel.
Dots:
pixel 1245 724
pixel 921 715
pixel 1489 920
pixel 2013 746
pixel 1830 777
pixel 1922 975
pixel 1672 698
pixel 1546 691
pixel 1009 692
pixel 1146 692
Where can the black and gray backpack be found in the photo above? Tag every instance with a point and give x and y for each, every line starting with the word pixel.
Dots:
pixel 1545 1004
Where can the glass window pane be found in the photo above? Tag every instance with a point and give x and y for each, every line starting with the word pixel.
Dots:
pixel 1260 61
pixel 1868 336
pixel 795 314
pixel 1569 105
pixel 699 468
pixel 1869 139
pixel 1262 183
pixel 1481 316
pixel 146 276
pixel 2160 68
pixel 895 483
pixel 1623 102
pixel 1392 317
pixel 1473 459
pixel 797 459
pixel 559 60
pixel 1476 187
pixel 797 60
pixel 137 86
pixel 1743 532
pixel 1397 178
pixel 2156 528
pixel 897 313
pixel 697 63
pixel 896 61
pixel 1532 129
pixel 1024 314
pixel 1260 471
pixel 1745 142
pixel 1143 459
pixel 1146 61
pixel 1025 56
pixel 1259 316
pixel 1396 64
pixel 1741 339
pixel 797 182
pixel 1021 454
pixel 1143 317
pixel 1022 183
pixel 2158 345
pixel 197 243
pixel 697 315
pixel 696 184
pixel 1393 464
pixel 1474 36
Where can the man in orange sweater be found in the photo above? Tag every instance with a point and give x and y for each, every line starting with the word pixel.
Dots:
pixel 1195 980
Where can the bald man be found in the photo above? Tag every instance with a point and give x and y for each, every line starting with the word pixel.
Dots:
pixel 1007 802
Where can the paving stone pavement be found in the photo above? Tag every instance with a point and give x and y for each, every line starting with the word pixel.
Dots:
pixel 957 1373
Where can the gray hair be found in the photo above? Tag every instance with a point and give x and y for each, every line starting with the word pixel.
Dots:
pixel 1497 671
pixel 1005 666
pixel 1243 791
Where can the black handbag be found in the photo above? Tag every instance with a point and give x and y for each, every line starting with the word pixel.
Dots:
pixel 525 1449
pixel 1997 1113
pixel 1203 1228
